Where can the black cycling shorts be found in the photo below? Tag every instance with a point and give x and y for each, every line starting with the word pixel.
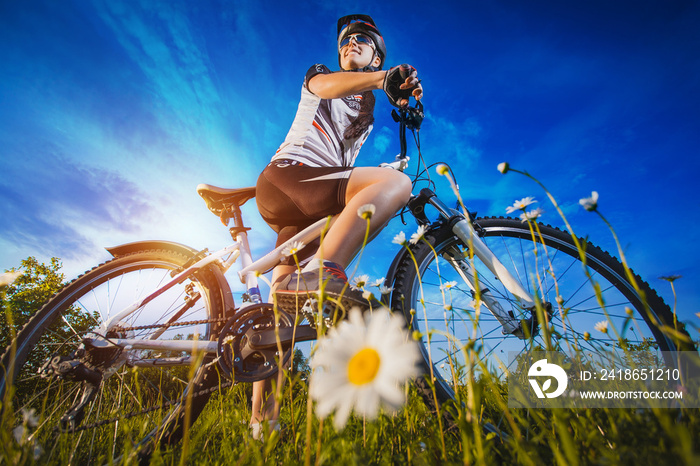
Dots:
pixel 291 196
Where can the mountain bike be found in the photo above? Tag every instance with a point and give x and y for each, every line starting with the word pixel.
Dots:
pixel 126 356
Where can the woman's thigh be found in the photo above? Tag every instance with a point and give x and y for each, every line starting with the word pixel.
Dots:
pixel 390 180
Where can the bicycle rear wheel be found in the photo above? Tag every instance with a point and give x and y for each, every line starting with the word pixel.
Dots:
pixel 436 301
pixel 163 390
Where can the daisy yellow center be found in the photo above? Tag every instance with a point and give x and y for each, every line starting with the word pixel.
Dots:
pixel 363 366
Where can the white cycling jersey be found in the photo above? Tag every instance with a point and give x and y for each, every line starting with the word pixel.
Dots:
pixel 318 136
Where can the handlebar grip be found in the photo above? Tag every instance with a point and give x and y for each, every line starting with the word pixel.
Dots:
pixel 405 70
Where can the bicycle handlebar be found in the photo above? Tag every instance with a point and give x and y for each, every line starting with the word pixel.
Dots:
pixel 407 117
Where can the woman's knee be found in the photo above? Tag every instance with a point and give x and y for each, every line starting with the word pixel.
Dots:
pixel 406 185
pixel 395 183
pixel 400 185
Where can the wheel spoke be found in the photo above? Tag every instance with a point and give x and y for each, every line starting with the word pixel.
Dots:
pixel 81 308
pixel 551 270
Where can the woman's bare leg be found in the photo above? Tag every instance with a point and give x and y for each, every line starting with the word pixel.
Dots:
pixel 388 190
pixel 265 406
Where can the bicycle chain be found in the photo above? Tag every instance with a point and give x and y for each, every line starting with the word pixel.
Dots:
pixel 172 324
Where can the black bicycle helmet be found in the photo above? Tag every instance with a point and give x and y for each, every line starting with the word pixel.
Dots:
pixel 353 24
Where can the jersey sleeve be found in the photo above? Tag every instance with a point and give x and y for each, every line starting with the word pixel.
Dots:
pixel 313 71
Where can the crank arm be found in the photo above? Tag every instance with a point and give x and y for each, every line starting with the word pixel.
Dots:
pixel 267 339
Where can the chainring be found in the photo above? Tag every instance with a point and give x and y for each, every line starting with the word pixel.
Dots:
pixel 236 359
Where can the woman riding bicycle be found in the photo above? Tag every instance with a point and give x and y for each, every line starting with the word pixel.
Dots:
pixel 312 175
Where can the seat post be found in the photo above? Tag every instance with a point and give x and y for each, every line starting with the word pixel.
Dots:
pixel 239 233
pixel 237 217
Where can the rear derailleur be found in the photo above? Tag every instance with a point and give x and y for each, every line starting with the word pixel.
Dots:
pixel 87 365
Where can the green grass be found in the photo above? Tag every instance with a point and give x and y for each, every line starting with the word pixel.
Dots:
pixel 412 436
pixel 417 434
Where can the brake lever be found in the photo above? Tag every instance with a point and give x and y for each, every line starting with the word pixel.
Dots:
pixel 411 117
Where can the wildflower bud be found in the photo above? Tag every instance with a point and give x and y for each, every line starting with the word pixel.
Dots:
pixel 400 238
pixel 442 169
pixel 629 311
pixel 590 203
pixel 586 336
pixel 602 326
pixel 503 167
pixel 417 335
pixel 366 211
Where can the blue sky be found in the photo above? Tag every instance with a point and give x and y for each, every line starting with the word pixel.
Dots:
pixel 112 112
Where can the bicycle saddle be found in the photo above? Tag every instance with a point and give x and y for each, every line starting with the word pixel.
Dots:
pixel 218 200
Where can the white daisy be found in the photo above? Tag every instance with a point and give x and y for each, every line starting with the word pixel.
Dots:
pixel 29 417
pixel 20 433
pixel 400 238
pixel 379 282
pixel 228 339
pixel 385 289
pixel 531 215
pixel 503 167
pixel 360 282
pixel 448 285
pixel 602 326
pixel 590 203
pixel 415 237
pixel 361 366
pixel 522 204
pixel 293 248
pixel 366 211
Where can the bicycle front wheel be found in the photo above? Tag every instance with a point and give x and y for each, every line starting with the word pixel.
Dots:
pixel 430 290
pixel 143 397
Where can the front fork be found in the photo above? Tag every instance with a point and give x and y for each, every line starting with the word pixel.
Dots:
pixel 463 228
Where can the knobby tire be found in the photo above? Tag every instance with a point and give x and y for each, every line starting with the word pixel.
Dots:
pixel 82 305
pixel 435 300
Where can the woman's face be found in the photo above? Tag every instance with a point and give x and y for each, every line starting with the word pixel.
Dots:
pixel 358 52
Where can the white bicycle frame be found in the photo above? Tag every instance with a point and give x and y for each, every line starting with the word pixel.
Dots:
pixel 250 269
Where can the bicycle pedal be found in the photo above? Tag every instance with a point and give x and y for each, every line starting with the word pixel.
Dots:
pixel 309 306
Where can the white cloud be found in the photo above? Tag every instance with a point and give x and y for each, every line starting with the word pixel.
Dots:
pixel 383 140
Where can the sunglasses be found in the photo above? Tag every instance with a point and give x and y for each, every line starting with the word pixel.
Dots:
pixel 359 39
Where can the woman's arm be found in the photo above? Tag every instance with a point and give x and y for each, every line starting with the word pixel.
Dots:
pixel 338 85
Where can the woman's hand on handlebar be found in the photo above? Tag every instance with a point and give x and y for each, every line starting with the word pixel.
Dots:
pixel 400 83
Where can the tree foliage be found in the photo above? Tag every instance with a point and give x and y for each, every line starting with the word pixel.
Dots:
pixel 25 296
